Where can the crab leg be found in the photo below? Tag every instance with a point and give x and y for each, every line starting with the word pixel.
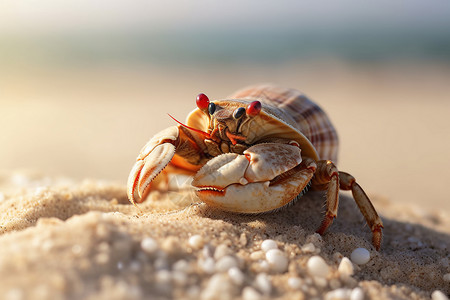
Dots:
pixel 328 177
pixel 348 182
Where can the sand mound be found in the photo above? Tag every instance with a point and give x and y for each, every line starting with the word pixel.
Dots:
pixel 66 240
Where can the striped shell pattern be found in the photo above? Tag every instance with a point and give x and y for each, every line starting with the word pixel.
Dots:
pixel 299 112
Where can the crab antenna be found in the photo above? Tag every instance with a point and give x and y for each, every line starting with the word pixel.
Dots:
pixel 205 134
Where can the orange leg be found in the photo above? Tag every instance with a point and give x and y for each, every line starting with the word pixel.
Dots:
pixel 328 177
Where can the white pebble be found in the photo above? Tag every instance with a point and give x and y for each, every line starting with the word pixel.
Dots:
pixel 218 287
pixel 295 283
pixel 221 251
pixel 360 256
pixel 180 278
pixel 225 263
pixel 267 245
pixel 317 266
pixel 181 266
pixel 345 267
pixel 264 266
pixel 149 245
pixel 236 275
pixel 262 282
pixel 357 294
pixel 249 293
pixel 196 241
pixel 309 248
pixel 438 295
pixel 163 276
pixel 257 255
pixel 278 262
pixel 338 294
pixel 208 265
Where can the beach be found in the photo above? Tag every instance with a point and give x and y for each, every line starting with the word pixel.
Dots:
pixel 70 137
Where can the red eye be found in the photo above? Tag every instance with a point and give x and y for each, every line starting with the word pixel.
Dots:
pixel 202 101
pixel 253 108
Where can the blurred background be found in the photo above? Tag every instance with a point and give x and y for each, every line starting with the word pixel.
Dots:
pixel 84 84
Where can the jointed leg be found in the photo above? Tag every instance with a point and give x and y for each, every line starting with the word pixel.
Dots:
pixel 348 182
pixel 328 177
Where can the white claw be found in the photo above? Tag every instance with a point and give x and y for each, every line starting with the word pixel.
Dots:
pixel 132 181
pixel 242 183
pixel 270 160
pixel 222 170
pixel 152 159
pixel 154 163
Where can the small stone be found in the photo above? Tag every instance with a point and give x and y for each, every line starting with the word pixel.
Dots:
pixel 218 287
pixel 357 294
pixel 180 278
pixel 170 245
pixel 438 295
pixel 278 262
pixel 338 294
pixel 262 282
pixel 149 245
pixel 267 245
pixel 196 241
pixel 221 251
pixel 446 277
pixel 345 267
pixel 236 276
pixel 181 266
pixel 225 263
pixel 163 276
pixel 257 255
pixel 249 293
pixel 317 266
pixel 360 256
pixel 243 239
pixel 308 248
pixel 295 283
pixel 208 265
pixel 264 266
pixel 320 281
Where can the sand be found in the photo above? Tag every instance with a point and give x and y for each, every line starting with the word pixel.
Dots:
pixel 64 236
pixel 63 239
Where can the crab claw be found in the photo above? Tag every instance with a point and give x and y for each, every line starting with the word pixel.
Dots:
pixel 152 159
pixel 266 177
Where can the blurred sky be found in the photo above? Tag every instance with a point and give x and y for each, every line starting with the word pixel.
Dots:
pixel 203 31
pixel 55 16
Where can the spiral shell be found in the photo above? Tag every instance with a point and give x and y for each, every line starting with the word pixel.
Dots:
pixel 298 111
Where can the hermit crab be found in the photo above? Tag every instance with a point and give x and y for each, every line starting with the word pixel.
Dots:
pixel 255 152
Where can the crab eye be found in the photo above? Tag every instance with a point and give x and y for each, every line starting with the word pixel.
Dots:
pixel 211 108
pixel 238 113
pixel 202 101
pixel 253 108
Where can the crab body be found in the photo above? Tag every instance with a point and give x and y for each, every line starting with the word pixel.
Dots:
pixel 253 153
